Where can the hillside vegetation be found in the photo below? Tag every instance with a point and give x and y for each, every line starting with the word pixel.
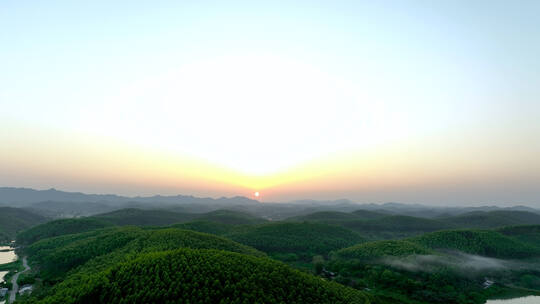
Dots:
pixel 230 217
pixel 432 268
pixel 368 215
pixel 204 276
pixel 493 219
pixel 60 227
pixel 57 255
pixel 13 220
pixel 305 239
pixel 324 216
pixel 529 234
pixel 136 265
pixel 378 249
pixel 375 225
pixel 161 256
pixel 219 219
pixel 139 217
pixel 481 242
pixel 207 227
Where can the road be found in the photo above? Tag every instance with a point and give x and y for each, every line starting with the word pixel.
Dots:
pixel 15 289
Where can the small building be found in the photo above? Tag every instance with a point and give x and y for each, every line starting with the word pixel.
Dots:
pixel 25 289
pixel 329 274
pixel 487 283
pixel 3 292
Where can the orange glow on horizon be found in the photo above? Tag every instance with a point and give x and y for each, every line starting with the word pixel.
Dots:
pixel 111 166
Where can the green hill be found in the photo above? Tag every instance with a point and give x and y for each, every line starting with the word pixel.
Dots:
pixel 529 234
pixel 230 217
pixel 204 276
pixel 378 249
pixel 60 254
pixel 139 217
pixel 336 217
pixel 60 227
pixel 396 226
pixel 13 220
pixel 299 238
pixel 173 238
pixel 213 222
pixel 55 256
pixel 493 219
pixel 121 264
pixel 368 215
pixel 206 227
pixel 520 230
pixel 324 216
pixel 481 242
pixel 376 225
pixel 398 223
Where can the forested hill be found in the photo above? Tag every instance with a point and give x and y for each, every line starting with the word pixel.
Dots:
pixel 132 216
pixel 110 264
pixel 336 216
pixel 378 225
pixel 302 239
pixel 450 266
pixel 230 217
pixel 479 242
pixel 140 217
pixel 58 255
pixel 493 219
pixel 60 227
pixel 162 255
pixel 204 276
pixel 13 220
pixel 375 225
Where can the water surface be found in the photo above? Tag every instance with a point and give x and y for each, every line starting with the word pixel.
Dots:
pixel 520 300
pixel 7 255
pixel 2 275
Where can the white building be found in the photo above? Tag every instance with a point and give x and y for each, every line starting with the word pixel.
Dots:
pixel 24 289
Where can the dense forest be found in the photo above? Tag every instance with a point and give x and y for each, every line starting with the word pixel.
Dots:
pixel 163 256
pixel 203 276
pixel 13 220
pixel 303 240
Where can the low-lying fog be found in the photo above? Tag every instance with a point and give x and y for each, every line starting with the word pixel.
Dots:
pixel 468 263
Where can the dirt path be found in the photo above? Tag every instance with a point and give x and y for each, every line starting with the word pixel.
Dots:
pixel 15 289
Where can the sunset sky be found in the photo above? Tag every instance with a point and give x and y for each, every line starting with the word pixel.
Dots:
pixel 433 102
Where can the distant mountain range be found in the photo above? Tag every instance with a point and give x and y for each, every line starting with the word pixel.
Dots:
pixel 55 203
pixel 24 196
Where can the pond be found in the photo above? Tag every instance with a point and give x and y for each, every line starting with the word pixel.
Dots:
pixel 520 300
pixel 7 255
pixel 2 275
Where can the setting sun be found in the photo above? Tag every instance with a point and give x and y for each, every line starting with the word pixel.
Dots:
pixel 257 194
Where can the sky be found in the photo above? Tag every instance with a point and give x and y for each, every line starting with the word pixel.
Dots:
pixel 433 102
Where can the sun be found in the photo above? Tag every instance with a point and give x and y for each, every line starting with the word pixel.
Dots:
pixel 257 194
